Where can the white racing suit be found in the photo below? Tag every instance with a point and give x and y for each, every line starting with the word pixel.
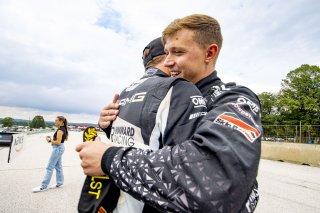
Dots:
pixel 214 171
pixel 155 111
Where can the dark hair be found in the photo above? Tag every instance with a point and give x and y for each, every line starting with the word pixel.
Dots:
pixel 155 61
pixel 65 124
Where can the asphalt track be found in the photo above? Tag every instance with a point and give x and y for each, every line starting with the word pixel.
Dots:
pixel 283 187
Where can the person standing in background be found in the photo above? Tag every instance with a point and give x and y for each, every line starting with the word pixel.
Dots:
pixel 55 160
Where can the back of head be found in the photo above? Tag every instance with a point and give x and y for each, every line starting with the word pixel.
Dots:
pixel 153 53
pixel 206 29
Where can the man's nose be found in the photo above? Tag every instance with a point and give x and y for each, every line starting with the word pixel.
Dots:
pixel 168 61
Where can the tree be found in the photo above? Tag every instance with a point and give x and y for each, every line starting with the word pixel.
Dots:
pixel 38 122
pixel 7 122
pixel 269 111
pixel 299 97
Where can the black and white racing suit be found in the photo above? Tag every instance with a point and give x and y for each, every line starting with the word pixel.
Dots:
pixel 155 111
pixel 214 171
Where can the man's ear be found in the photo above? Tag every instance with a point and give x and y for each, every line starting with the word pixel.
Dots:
pixel 212 52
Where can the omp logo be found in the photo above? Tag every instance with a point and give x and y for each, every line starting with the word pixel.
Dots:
pixel 254 108
pixel 198 101
pixel 138 97
pixel 230 120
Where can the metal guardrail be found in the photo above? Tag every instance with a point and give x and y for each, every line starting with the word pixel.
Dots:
pixel 292 133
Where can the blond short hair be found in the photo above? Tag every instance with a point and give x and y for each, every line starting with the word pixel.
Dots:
pixel 206 29
pixel 155 61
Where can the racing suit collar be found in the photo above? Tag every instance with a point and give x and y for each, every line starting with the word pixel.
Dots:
pixel 152 71
pixel 205 84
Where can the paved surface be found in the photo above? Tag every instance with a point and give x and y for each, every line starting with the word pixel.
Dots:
pixel 286 187
pixel 283 187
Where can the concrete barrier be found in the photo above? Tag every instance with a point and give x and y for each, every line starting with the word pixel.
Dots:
pixel 291 152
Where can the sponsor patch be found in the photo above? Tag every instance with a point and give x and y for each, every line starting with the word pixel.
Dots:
pixel 198 101
pixel 252 201
pixel 196 115
pixel 122 135
pixel 232 121
pixel 126 134
pixel 217 90
pixel 138 97
pixel 245 114
pixel 244 100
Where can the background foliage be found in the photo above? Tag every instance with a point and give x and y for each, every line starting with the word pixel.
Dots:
pixel 296 104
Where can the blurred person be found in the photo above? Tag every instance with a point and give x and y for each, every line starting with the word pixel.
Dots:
pixel 55 160
pixel 214 171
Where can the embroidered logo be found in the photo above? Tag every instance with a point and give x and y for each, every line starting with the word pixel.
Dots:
pixel 232 121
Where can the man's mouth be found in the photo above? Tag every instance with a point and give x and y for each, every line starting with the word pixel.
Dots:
pixel 175 73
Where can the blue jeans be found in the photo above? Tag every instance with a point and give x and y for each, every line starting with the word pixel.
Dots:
pixel 54 163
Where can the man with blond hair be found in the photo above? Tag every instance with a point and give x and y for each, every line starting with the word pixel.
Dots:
pixel 214 171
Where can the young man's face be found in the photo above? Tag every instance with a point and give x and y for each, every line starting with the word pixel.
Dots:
pixel 185 57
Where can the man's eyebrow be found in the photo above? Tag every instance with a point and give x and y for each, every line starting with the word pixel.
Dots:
pixel 175 48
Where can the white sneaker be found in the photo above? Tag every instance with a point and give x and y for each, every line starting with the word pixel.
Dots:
pixel 55 186
pixel 39 189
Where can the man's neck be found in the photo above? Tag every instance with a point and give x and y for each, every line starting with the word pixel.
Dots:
pixel 204 75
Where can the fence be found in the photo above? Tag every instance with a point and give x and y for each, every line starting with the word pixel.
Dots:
pixel 292 133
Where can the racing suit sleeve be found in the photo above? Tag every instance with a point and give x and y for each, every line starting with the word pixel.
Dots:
pixel 178 115
pixel 212 172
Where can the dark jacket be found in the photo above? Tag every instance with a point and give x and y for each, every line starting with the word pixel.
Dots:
pixel 214 171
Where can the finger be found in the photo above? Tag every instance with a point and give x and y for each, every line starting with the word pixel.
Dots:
pixel 104 124
pixel 110 114
pixel 81 156
pixel 115 98
pixel 79 147
pixel 110 118
pixel 110 106
pixel 84 165
pixel 113 112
